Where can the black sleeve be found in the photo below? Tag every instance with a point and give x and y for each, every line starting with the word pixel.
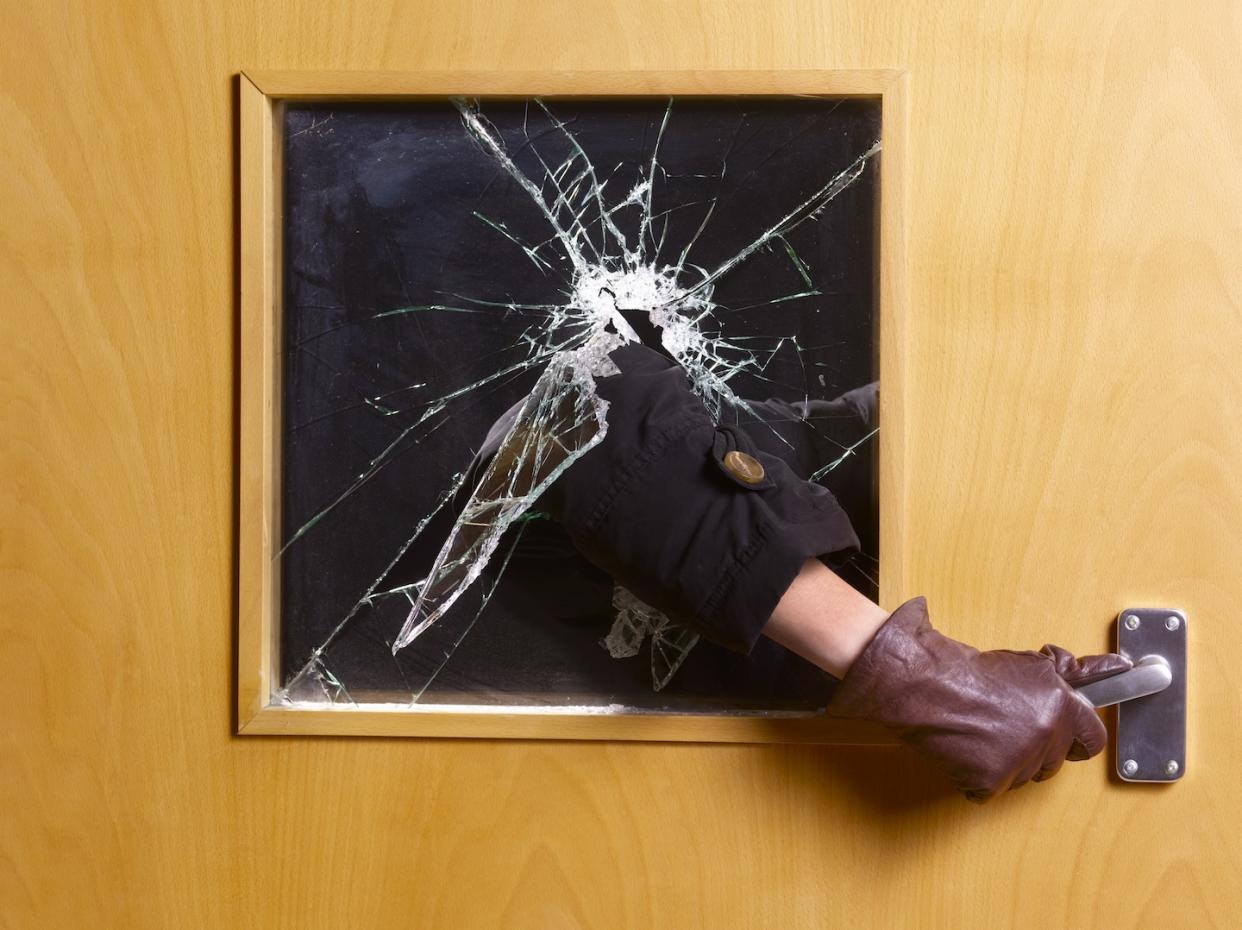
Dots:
pixel 657 506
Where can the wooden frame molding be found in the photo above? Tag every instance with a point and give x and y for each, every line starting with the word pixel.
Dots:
pixel 261 100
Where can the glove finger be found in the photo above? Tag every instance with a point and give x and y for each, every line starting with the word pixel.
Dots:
pixel 1055 759
pixel 1095 668
pixel 1090 736
pixel 1023 777
pixel 977 787
pixel 1049 771
pixel 1082 671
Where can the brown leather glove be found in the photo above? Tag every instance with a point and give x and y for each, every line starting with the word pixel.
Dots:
pixel 992 720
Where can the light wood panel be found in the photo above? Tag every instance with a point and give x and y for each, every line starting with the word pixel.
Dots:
pixel 1075 446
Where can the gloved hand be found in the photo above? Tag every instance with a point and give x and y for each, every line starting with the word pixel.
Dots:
pixel 992 720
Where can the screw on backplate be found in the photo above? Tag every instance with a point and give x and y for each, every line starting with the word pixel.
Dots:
pixel 1129 767
pixel 1132 622
pixel 1171 767
pixel 1172 623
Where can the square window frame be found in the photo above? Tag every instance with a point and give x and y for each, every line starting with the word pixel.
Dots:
pixel 262 96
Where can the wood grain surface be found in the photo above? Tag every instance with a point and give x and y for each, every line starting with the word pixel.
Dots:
pixel 1074 446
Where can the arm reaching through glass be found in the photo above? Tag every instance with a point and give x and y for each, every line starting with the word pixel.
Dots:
pixel 723 536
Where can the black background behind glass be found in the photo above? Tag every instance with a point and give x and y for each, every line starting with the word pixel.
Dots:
pixel 379 214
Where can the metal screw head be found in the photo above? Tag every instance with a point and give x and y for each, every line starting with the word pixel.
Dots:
pixel 1130 766
pixel 1172 623
pixel 1171 767
pixel 1132 622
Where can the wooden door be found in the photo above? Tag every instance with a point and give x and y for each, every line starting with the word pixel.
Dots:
pixel 1073 447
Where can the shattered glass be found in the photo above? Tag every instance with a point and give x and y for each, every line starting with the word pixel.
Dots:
pixel 446 262
pixel 635 622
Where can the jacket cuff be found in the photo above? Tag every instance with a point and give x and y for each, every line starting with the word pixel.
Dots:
pixel 746 596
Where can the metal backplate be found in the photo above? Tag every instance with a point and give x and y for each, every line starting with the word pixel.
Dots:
pixel 1151 731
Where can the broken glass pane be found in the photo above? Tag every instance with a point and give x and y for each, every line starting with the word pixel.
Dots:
pixel 449 262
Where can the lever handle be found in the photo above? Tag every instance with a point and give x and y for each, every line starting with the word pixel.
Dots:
pixel 1149 675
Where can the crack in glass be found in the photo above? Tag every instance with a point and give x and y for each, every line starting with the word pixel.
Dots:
pixel 608 254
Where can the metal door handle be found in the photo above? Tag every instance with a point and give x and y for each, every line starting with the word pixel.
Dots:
pixel 1149 675
pixel 1151 697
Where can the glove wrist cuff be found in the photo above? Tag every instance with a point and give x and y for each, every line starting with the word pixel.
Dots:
pixel 905 652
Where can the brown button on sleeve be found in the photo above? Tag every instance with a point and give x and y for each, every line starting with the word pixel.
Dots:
pixel 744 467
